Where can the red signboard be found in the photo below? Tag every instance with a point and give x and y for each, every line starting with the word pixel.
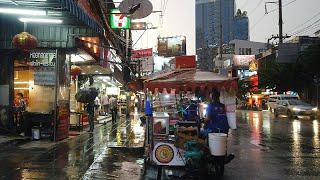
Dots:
pixel 185 62
pixel 63 120
pixel 255 83
pixel 142 53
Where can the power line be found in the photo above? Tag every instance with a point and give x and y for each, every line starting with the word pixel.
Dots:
pixel 165 6
pixel 315 28
pixel 306 28
pixel 287 4
pixel 256 7
pixel 304 22
pixel 260 19
pixel 255 24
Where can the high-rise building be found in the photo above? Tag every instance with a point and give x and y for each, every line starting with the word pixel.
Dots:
pixel 208 28
pixel 241 26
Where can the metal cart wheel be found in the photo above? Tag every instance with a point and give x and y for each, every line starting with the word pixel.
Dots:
pixel 215 167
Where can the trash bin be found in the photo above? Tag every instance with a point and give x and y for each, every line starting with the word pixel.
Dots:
pixel 35 133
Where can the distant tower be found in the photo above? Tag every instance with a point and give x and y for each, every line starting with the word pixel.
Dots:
pixel 208 29
pixel 241 26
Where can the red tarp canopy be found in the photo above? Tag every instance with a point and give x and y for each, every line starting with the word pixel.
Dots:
pixel 189 80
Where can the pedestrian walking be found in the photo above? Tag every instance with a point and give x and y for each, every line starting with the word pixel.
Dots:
pixel 105 104
pixel 90 111
pixel 97 106
pixel 19 110
pixel 113 108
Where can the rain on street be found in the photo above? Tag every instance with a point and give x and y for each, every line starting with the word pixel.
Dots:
pixel 265 148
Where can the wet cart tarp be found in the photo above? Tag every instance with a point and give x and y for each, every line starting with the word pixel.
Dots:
pixel 189 80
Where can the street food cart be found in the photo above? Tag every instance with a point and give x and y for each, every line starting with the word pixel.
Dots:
pixel 178 100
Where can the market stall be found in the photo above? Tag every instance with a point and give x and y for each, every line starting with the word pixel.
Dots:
pixel 179 99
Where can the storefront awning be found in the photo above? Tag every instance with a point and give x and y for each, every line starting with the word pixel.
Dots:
pixel 190 80
pixel 67 10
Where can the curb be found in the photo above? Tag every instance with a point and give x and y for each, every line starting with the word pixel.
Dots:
pixel 15 142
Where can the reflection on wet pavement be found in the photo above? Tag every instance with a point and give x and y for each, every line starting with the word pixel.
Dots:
pixel 84 157
pixel 268 148
pixel 265 148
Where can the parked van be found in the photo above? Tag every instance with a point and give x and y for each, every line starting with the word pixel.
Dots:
pixel 273 100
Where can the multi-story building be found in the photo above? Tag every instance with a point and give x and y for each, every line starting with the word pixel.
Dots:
pixel 289 52
pixel 237 55
pixel 243 47
pixel 241 26
pixel 208 28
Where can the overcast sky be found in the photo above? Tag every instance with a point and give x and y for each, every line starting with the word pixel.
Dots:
pixel 179 19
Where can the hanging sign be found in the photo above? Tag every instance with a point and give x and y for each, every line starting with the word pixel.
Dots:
pixel 118 20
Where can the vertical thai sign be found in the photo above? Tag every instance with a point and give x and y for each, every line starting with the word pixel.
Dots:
pixel 63 97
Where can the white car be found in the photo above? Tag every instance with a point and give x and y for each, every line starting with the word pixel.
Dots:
pixel 273 100
pixel 294 108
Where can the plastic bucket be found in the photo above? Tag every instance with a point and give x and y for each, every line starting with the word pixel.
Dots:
pixel 218 144
pixel 35 133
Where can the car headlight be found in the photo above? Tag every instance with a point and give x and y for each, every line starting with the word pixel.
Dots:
pixel 205 105
pixel 315 109
pixel 296 109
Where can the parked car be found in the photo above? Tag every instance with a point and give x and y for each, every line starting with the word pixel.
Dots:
pixel 294 108
pixel 273 100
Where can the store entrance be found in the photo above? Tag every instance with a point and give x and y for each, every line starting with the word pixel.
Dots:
pixel 34 96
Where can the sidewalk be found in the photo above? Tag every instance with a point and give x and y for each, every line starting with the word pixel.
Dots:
pixel 87 156
pixel 13 140
pixel 16 140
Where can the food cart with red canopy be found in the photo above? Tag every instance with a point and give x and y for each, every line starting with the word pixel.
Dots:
pixel 173 147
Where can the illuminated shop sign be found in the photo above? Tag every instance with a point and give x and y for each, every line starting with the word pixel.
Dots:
pixel 36 55
pixel 44 58
pixel 118 20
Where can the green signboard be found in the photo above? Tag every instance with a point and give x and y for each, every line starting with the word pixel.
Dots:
pixel 118 20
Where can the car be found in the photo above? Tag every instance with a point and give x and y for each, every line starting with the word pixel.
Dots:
pixel 273 100
pixel 293 108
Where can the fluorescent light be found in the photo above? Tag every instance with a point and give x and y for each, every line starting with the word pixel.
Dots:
pixel 36 20
pixel 76 58
pixel 23 11
pixel 22 82
pixel 21 88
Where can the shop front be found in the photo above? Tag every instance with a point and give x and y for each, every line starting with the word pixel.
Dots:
pixel 39 92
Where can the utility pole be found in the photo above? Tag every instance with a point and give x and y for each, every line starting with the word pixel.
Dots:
pixel 221 40
pixel 280 18
pixel 277 37
pixel 280 23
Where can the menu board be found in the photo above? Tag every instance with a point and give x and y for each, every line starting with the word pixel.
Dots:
pixel 44 77
pixel 43 63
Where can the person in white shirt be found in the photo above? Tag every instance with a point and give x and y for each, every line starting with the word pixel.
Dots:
pixel 97 106
pixel 105 104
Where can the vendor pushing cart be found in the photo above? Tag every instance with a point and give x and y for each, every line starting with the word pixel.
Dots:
pixel 186 129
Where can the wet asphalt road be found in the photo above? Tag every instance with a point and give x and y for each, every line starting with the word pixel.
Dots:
pixel 265 148
pixel 274 148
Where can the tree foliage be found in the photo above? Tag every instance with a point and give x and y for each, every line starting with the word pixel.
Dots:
pixel 291 76
pixel 243 88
